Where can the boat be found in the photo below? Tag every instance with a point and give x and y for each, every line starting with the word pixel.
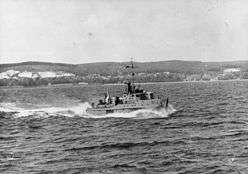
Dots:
pixel 133 99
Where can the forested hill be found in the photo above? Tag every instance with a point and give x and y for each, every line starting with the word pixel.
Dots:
pixel 114 68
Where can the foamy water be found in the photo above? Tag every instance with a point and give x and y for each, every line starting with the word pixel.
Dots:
pixel 80 110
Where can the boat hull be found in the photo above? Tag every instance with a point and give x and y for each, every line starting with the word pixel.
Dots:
pixel 109 111
pixel 126 108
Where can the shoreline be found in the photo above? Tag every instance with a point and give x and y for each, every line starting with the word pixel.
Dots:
pixel 234 80
pixel 114 84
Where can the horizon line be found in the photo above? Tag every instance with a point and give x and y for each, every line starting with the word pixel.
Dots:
pixel 31 61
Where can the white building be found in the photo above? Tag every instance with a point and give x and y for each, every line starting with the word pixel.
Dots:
pixel 35 75
pixel 47 74
pixel 4 75
pixel 231 70
pixel 167 73
pixel 8 74
pixel 12 72
pixel 25 74
pixel 51 74
pixel 63 74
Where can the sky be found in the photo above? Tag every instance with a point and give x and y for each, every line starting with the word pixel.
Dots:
pixel 83 31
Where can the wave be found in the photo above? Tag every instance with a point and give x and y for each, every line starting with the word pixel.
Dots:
pixel 126 145
pixel 70 111
pixel 140 114
pixel 80 110
pixel 8 108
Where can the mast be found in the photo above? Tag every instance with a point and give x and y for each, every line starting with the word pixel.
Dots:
pixel 131 82
pixel 132 71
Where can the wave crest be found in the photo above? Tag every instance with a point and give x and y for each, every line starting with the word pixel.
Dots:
pixel 80 110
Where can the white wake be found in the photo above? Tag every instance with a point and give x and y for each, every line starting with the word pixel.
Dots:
pixel 80 110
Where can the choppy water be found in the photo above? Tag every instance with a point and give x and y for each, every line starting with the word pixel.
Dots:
pixel 46 130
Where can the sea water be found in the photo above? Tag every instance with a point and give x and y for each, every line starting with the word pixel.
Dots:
pixel 46 130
